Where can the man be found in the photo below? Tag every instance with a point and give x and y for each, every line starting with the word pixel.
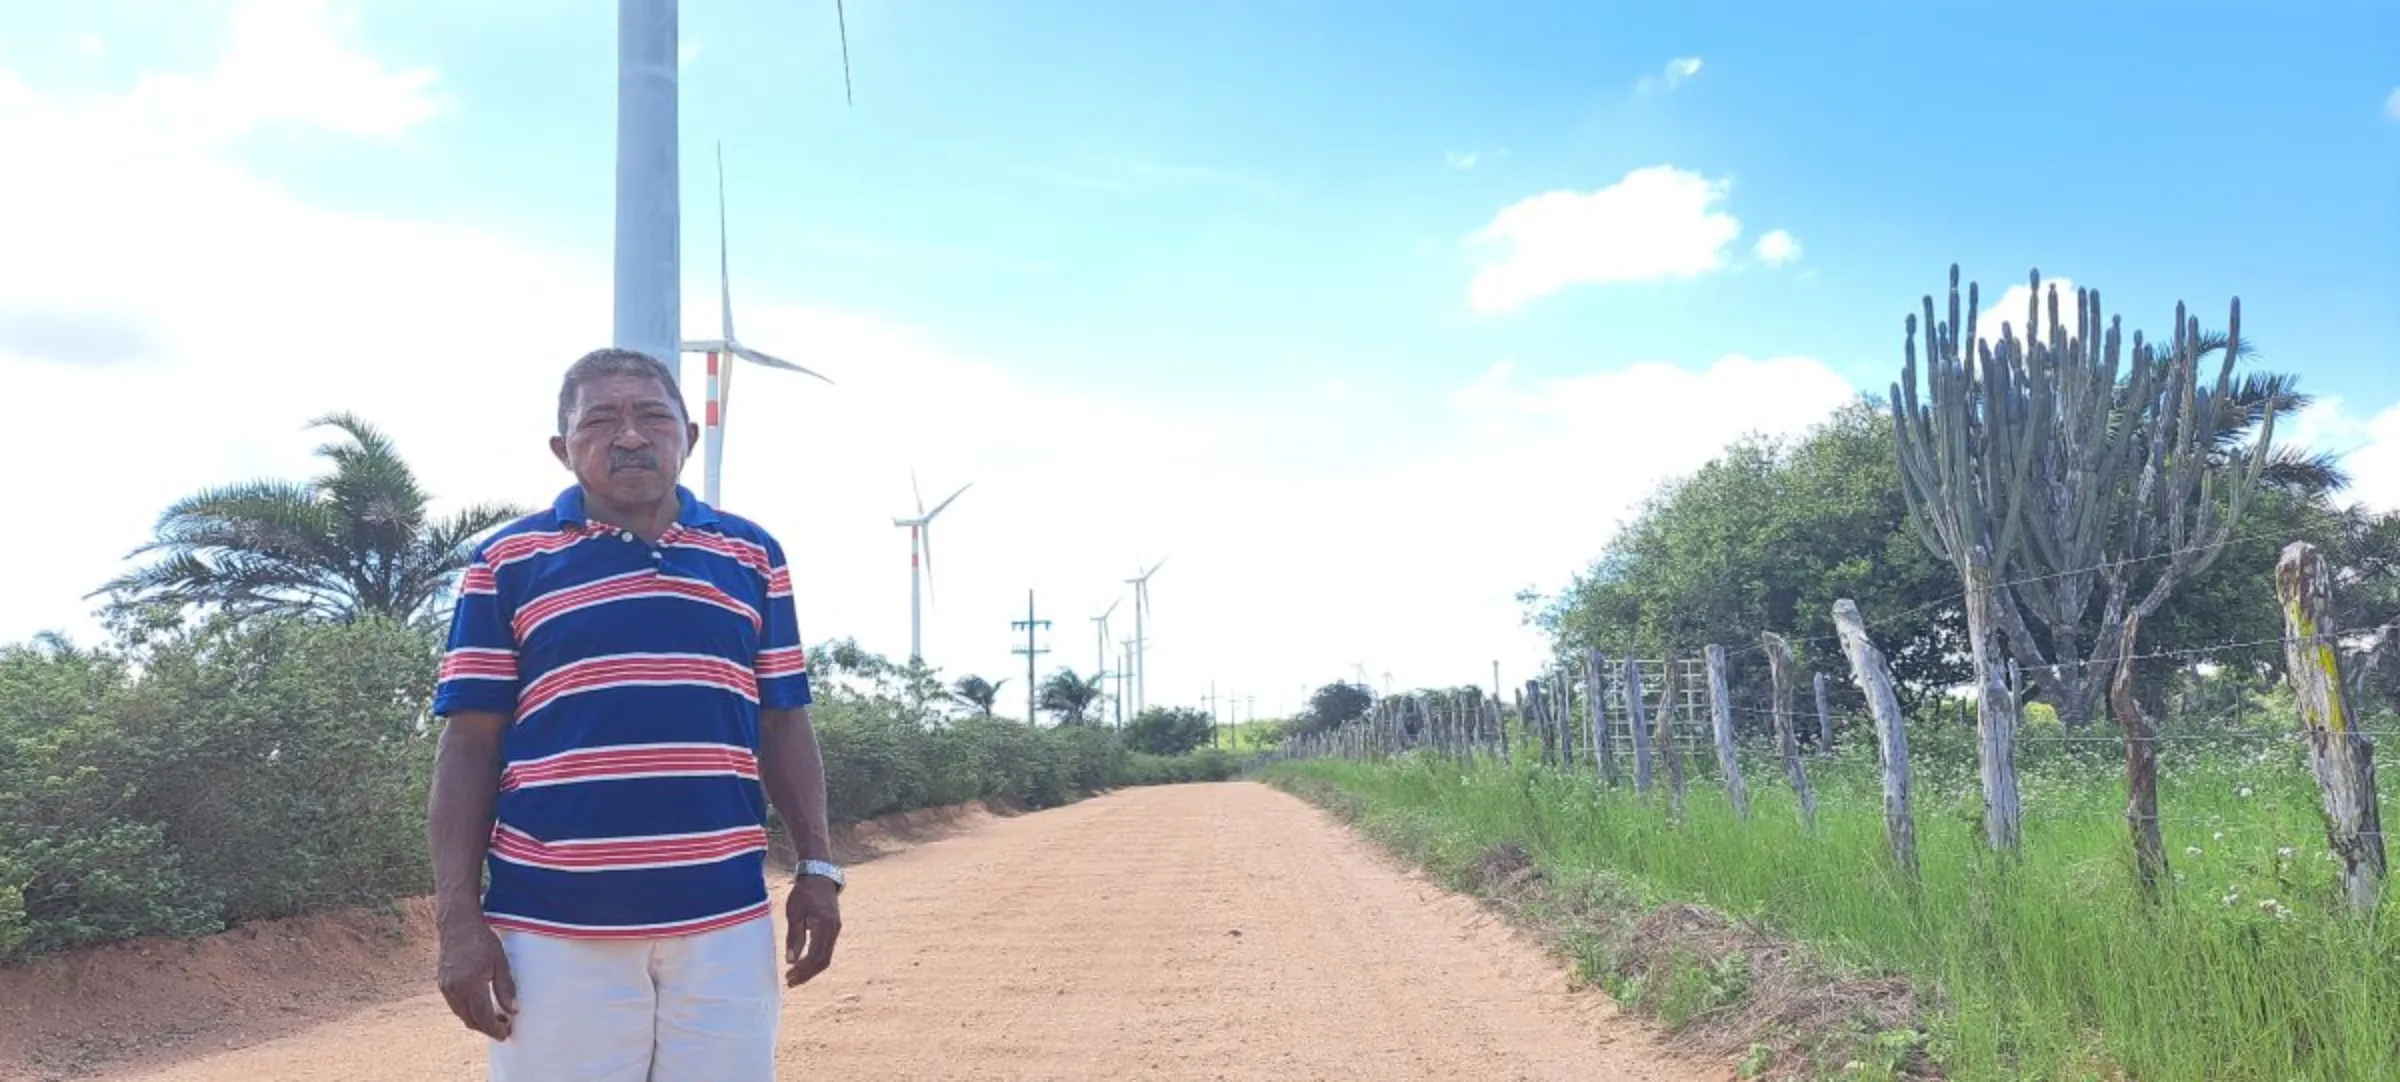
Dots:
pixel 624 677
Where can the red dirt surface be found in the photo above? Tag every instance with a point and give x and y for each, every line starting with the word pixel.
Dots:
pixel 1202 931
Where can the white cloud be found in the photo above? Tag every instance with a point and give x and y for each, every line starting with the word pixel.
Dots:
pixel 91 45
pixel 242 310
pixel 2368 448
pixel 286 62
pixel 1658 222
pixel 1777 248
pixel 2391 105
pixel 1461 160
pixel 2011 309
pixel 1670 77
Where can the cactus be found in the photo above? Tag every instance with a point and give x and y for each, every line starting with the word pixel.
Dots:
pixel 2047 470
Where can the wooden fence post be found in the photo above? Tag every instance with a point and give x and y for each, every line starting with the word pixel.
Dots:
pixel 1824 717
pixel 1595 690
pixel 1664 739
pixel 1874 678
pixel 2141 768
pixel 1721 712
pixel 1779 665
pixel 2341 756
pixel 1638 725
pixel 1566 717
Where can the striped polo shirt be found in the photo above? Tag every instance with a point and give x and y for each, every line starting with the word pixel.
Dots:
pixel 629 801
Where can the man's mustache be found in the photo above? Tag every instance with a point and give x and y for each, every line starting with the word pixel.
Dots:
pixel 625 460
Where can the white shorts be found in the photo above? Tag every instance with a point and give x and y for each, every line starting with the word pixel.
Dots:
pixel 698 1008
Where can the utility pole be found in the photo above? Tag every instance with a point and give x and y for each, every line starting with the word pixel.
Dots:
pixel 1215 725
pixel 1032 650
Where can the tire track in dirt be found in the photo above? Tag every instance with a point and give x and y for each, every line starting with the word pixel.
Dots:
pixel 1224 931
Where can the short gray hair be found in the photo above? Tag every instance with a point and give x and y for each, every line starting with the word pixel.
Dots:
pixel 616 362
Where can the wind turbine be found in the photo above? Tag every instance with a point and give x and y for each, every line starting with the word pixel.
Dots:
pixel 1102 656
pixel 726 346
pixel 920 540
pixel 1141 644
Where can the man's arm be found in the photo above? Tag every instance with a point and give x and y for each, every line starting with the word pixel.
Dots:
pixel 473 969
pixel 792 770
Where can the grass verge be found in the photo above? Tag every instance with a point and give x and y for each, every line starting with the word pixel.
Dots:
pixel 1802 953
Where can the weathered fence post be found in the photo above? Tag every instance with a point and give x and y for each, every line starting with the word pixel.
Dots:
pixel 1566 717
pixel 1638 725
pixel 1595 690
pixel 2141 768
pixel 1664 739
pixel 1720 710
pixel 1824 717
pixel 1874 678
pixel 1779 665
pixel 2342 757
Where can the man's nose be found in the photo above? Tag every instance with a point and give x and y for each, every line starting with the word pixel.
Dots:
pixel 631 438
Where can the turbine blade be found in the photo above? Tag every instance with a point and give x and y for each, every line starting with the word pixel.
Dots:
pixel 919 493
pixel 843 21
pixel 925 538
pixel 937 508
pixel 770 360
pixel 724 257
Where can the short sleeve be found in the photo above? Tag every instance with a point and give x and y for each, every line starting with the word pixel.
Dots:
pixel 782 663
pixel 479 663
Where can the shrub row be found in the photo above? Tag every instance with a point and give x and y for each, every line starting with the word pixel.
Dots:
pixel 242 770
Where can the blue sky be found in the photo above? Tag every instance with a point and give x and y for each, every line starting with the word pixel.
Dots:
pixel 1224 251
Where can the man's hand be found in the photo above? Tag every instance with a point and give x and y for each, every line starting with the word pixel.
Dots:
pixel 814 917
pixel 474 977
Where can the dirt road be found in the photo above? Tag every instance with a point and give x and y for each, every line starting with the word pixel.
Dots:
pixel 1188 932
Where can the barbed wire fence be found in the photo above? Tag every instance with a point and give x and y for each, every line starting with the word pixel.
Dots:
pixel 1624 722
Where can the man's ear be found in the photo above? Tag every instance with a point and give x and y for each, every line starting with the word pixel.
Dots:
pixel 691 437
pixel 558 447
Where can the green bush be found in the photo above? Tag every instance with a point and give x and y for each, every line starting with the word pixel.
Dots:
pixel 200 776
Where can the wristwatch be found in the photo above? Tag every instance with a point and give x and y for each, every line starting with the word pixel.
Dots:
pixel 822 870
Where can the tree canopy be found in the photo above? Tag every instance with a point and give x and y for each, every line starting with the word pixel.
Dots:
pixel 359 539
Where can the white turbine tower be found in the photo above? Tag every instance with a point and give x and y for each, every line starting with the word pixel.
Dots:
pixel 1141 643
pixel 720 351
pixel 920 560
pixel 1101 658
pixel 648 302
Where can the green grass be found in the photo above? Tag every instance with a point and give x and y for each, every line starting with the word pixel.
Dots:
pixel 2048 967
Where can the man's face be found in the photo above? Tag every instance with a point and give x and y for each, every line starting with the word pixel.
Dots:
pixel 625 441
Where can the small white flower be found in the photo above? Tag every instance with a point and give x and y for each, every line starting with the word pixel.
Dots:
pixel 2243 791
pixel 2284 852
pixel 2231 897
pixel 2191 850
pixel 2220 835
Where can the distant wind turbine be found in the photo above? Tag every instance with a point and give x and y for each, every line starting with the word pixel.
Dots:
pixel 920 559
pixel 1141 643
pixel 720 380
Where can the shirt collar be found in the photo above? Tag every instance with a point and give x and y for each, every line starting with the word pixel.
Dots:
pixel 690 511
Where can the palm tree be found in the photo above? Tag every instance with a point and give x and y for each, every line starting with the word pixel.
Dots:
pixel 978 692
pixel 1068 696
pixel 355 541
